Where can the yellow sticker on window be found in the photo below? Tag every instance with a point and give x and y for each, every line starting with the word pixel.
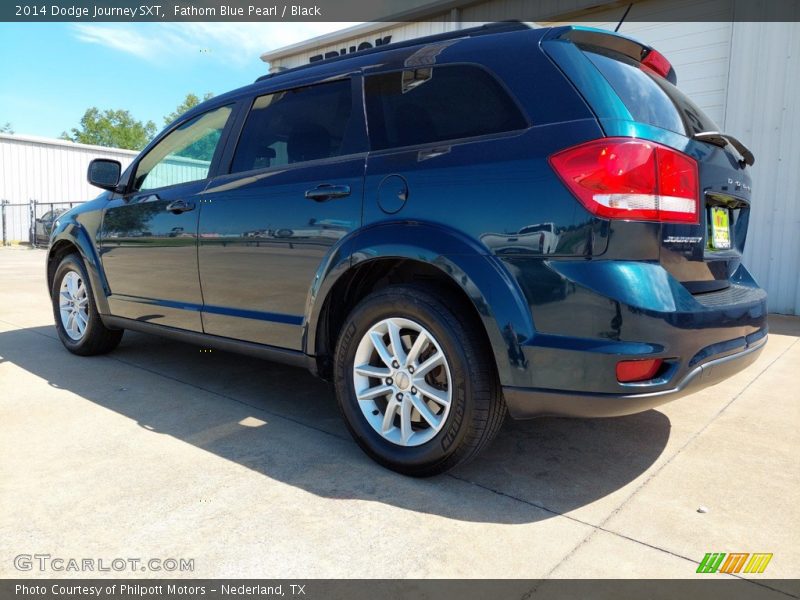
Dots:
pixel 720 228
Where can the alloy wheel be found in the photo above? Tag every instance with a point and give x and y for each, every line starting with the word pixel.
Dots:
pixel 402 381
pixel 73 305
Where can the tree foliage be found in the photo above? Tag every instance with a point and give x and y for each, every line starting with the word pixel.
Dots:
pixel 6 128
pixel 112 128
pixel 189 102
pixel 119 129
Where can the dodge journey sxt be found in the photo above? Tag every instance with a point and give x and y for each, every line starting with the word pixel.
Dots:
pixel 489 221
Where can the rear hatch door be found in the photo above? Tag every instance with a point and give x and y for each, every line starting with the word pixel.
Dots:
pixel 633 91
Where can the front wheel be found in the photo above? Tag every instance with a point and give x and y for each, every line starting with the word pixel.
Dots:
pixel 77 321
pixel 415 381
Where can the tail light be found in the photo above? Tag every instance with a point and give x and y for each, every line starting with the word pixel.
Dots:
pixel 629 371
pixel 627 178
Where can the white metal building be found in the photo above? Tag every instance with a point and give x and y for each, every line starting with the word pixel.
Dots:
pixel 743 74
pixel 40 174
pixel 50 170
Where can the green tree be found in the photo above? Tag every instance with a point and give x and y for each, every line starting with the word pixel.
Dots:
pixel 190 101
pixel 6 128
pixel 112 128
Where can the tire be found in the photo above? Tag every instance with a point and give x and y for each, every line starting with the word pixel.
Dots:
pixel 94 337
pixel 465 408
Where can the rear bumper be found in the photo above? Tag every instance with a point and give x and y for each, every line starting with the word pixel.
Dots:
pixel 526 403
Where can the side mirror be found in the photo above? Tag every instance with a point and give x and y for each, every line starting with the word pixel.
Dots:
pixel 104 173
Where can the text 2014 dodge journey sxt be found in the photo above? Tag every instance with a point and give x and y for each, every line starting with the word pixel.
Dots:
pixel 499 219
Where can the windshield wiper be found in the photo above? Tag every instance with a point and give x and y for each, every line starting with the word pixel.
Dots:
pixel 722 140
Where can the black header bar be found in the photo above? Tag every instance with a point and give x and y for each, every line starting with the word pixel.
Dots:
pixel 393 10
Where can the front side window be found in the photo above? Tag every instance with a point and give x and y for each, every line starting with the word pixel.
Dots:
pixel 185 154
pixel 294 126
pixel 434 104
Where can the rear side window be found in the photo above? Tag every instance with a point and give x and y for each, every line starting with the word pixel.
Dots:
pixel 649 98
pixel 434 104
pixel 295 126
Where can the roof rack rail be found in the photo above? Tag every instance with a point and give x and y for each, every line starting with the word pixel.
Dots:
pixel 497 27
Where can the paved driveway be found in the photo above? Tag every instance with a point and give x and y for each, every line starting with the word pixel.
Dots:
pixel 159 450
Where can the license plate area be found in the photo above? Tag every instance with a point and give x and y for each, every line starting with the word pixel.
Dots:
pixel 719 218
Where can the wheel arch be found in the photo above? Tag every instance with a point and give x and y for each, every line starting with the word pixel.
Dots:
pixel 70 238
pixel 426 253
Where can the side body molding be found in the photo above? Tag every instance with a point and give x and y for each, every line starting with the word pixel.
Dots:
pixel 495 295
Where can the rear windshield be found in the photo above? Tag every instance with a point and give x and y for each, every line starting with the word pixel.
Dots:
pixel 648 97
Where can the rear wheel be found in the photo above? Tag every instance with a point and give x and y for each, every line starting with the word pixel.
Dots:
pixel 415 382
pixel 77 321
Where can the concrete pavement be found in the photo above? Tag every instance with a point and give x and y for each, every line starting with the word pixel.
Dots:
pixel 158 450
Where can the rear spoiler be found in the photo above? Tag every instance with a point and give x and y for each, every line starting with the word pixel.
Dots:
pixel 631 48
pixel 723 139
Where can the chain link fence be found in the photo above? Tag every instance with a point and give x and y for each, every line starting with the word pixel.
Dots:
pixel 30 222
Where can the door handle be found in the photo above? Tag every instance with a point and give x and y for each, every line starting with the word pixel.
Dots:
pixel 179 206
pixel 326 191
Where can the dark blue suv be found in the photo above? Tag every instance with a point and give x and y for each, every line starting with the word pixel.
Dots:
pixel 499 219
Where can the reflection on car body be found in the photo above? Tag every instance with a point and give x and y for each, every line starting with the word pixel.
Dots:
pixel 531 239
